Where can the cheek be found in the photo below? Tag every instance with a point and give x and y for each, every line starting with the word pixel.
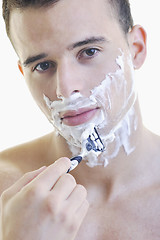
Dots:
pixel 35 89
pixel 116 93
pixel 39 87
pixel 98 74
pixel 120 95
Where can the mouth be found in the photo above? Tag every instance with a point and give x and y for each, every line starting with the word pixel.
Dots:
pixel 75 118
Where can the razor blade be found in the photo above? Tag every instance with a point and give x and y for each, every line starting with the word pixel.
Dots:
pixel 94 143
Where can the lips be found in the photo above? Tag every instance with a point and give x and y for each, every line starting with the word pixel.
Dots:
pixel 74 118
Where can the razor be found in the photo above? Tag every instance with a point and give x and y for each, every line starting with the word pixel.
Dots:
pixel 93 143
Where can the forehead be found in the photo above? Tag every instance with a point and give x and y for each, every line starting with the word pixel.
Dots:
pixel 66 21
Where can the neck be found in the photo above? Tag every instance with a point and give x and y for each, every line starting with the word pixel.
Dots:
pixel 123 164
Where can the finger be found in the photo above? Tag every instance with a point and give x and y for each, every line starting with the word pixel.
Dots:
pixel 76 198
pixel 51 174
pixel 81 212
pixel 83 209
pixel 23 181
pixel 79 217
pixel 64 186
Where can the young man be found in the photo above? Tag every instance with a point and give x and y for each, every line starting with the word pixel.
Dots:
pixel 78 59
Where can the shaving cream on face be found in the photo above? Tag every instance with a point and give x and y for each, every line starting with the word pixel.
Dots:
pixel 115 97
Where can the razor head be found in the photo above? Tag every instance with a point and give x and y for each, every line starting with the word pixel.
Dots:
pixel 94 142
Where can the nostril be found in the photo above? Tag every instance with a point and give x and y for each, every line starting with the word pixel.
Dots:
pixel 75 91
pixel 59 96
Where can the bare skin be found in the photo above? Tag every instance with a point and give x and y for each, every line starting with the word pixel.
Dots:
pixel 120 201
pixel 119 208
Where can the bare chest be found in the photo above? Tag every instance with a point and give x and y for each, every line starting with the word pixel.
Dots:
pixel 126 219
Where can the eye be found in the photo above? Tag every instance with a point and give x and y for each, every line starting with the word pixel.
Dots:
pixel 44 66
pixel 89 53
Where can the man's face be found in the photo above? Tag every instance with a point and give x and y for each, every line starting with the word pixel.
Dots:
pixel 69 48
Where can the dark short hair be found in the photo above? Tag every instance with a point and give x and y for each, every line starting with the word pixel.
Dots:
pixel 123 12
pixel 121 8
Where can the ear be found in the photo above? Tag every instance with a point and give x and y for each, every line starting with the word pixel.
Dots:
pixel 137 42
pixel 20 67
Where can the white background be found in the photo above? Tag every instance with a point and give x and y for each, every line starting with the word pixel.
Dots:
pixel 20 118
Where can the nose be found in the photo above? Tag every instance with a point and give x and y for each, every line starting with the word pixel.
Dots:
pixel 69 79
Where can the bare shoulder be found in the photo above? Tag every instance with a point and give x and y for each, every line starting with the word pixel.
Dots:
pixel 16 161
pixel 152 157
pixel 9 174
pixel 156 143
pixel 153 141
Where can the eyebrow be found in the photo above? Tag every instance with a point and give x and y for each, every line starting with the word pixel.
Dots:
pixel 90 40
pixel 33 59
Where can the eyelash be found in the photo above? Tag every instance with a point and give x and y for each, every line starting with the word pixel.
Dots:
pixel 79 56
pixel 85 51
pixel 50 63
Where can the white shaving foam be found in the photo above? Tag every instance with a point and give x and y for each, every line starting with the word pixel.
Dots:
pixel 115 129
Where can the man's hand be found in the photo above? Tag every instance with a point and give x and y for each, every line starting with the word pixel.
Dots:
pixel 43 205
